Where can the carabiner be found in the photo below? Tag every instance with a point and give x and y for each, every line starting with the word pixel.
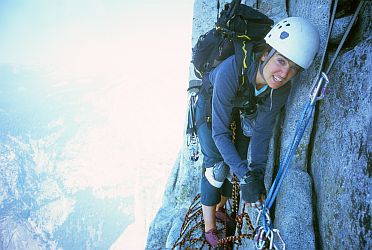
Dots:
pixel 192 144
pixel 259 215
pixel 319 86
pixel 260 238
pixel 271 238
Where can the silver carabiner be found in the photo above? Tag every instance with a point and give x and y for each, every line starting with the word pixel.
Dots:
pixel 266 213
pixel 260 238
pixel 261 235
pixel 192 144
pixel 260 211
pixel 319 86
pixel 271 238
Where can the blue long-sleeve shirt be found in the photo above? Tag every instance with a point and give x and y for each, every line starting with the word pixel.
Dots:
pixel 225 81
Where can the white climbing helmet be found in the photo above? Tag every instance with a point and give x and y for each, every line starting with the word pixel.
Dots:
pixel 295 38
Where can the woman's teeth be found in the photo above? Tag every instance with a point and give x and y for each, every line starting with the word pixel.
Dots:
pixel 277 78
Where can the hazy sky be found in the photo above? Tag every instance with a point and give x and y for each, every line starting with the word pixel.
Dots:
pixel 144 45
pixel 141 49
pixel 93 33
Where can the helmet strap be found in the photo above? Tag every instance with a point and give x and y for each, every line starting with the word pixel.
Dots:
pixel 263 64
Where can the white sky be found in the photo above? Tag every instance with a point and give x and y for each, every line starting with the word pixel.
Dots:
pixel 96 35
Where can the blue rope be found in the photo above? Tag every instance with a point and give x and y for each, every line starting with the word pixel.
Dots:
pixel 284 165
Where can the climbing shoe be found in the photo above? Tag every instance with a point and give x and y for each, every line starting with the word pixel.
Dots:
pixel 252 186
pixel 212 237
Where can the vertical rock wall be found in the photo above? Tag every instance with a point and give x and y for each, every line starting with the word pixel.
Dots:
pixel 341 156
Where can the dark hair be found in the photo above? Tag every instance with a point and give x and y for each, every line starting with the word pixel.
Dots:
pixel 260 49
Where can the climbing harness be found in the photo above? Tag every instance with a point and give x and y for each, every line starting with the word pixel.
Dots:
pixel 265 232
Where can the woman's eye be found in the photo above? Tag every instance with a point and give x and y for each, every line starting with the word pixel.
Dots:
pixel 281 61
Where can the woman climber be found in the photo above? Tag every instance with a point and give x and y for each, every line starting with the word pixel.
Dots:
pixel 290 47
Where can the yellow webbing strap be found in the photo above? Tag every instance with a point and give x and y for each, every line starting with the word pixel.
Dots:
pixel 197 71
pixel 244 61
pixel 244 37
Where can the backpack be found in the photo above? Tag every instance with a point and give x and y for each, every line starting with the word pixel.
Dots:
pixel 237 28
pixel 237 25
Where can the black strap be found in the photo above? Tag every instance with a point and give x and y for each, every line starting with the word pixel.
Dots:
pixel 328 36
pixel 342 40
pixel 345 34
pixel 205 92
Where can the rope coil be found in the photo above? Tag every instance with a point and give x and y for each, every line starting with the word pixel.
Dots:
pixel 192 229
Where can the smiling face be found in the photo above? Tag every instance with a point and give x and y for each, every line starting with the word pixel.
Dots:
pixel 277 72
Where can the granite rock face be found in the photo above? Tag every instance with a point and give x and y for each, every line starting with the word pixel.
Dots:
pixel 182 187
pixel 324 201
pixel 340 158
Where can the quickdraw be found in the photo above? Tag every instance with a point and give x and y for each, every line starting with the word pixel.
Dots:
pixel 319 89
pixel 192 140
pixel 267 238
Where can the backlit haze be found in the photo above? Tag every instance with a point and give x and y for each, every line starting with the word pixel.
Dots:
pixel 110 79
